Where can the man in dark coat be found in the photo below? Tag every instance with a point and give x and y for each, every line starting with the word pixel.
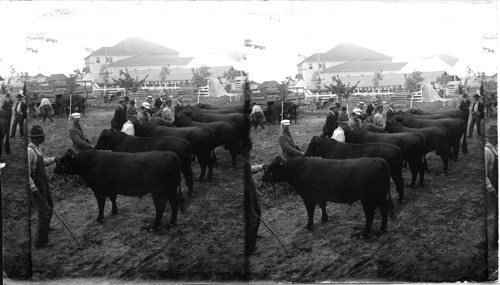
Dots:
pixel 7 107
pixel 120 116
pixel 331 121
pixel 19 116
pixel 290 149
pixel 370 108
pixel 390 112
pixel 477 114
pixel 465 107
pixel 179 107
pixel 80 142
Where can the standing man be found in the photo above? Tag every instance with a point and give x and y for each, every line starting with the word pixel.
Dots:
pixel 158 101
pixel 331 121
pixel 46 108
pixel 167 113
pixel 149 99
pixel 144 114
pixel 39 185
pixel 19 116
pixel 371 107
pixel 256 116
pixel 290 149
pixel 131 111
pixel 491 166
pixel 120 116
pixel 76 134
pixel 465 107
pixel 389 115
pixel 7 106
pixel 179 107
pixel 477 114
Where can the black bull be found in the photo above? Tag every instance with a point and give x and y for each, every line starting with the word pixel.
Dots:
pixel 332 149
pixel 121 142
pixel 365 179
pixel 201 139
pixel 63 102
pixel 109 174
pixel 411 145
pixel 291 111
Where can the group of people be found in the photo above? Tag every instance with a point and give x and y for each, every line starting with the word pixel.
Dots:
pixel 158 112
pixel 476 113
pixel 338 120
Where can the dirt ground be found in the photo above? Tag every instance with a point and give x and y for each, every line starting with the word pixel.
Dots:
pixel 206 244
pixel 439 234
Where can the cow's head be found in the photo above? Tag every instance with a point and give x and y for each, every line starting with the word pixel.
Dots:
pixel 398 118
pixel 104 140
pixel 187 110
pixel 313 146
pixel 275 170
pixel 412 111
pixel 68 163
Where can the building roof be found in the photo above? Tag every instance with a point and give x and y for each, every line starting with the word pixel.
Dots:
pixel 368 65
pixel 347 52
pixel 134 46
pixel 450 60
pixel 58 76
pixel 39 75
pixel 152 60
pixel 268 84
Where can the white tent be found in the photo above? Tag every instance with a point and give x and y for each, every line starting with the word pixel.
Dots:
pixel 216 59
pixel 215 89
pixel 429 94
pixel 427 65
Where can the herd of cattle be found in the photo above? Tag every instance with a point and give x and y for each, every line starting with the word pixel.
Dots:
pixel 361 168
pixel 153 160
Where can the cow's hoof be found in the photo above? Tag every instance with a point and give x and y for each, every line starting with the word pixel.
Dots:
pixel 324 219
pixel 310 228
pixel 114 212
pixel 100 220
pixel 190 194
pixel 411 186
pixel 150 228
pixel 392 216
pixel 357 235
pixel 383 230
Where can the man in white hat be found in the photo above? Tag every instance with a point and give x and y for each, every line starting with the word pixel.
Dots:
pixel 76 134
pixel 149 99
pixel 290 149
pixel 355 121
pixel 46 108
pixel 144 115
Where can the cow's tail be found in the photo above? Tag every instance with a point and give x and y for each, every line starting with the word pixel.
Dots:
pixel 464 142
pixel 387 174
pixel 181 200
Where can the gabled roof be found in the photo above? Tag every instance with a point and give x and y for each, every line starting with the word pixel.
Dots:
pixel 450 60
pixel 152 60
pixel 347 52
pixel 368 65
pixel 269 84
pixel 134 46
pixel 39 75
pixel 58 76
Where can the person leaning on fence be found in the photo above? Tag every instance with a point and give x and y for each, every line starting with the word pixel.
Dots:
pixel 120 116
pixel 491 167
pixel 331 122
pixel 290 149
pixel 389 115
pixel 80 142
pixel 465 107
pixel 477 114
pixel 256 116
pixel 39 185
pixel 46 108
pixel 378 118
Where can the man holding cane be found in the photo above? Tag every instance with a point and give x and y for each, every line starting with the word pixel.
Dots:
pixel 39 185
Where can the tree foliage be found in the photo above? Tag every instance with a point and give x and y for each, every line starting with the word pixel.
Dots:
pixel 165 71
pixel 200 76
pixel 413 81
pixel 249 44
pixel 443 79
pixel 130 84
pixel 317 80
pixel 72 81
pixel 377 77
pixel 283 90
pixel 104 73
pixel 341 89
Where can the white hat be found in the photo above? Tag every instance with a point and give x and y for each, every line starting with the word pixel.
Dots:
pixel 285 122
pixel 2 165
pixel 357 111
pixel 146 105
pixel 361 103
pixel 75 115
pixel 477 91
pixel 150 97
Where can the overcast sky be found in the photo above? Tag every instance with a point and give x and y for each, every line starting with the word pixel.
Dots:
pixel 403 30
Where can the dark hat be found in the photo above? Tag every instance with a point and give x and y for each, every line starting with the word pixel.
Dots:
pixel 122 100
pixel 337 105
pixel 344 108
pixel 253 103
pixel 19 96
pixel 476 96
pixel 492 131
pixel 7 95
pixel 126 98
pixel 36 131
pixel 465 95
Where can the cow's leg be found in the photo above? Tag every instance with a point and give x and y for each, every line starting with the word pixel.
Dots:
pixel 114 207
pixel 310 205
pixel 324 215
pixel 444 158
pixel 234 153
pixel 101 201
pixel 369 210
pixel 159 201
pixel 414 171
pixel 174 205
pixel 203 166
pixel 187 172
pixel 421 171
pixel 384 211
pixel 425 165
pixel 214 158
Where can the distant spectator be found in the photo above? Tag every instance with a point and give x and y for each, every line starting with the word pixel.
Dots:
pixel 389 115
pixel 120 116
pixel 331 122
pixel 7 106
pixel 355 121
pixel 465 107
pixel 378 119
pixel 290 149
pixel 179 107
pixel 131 110
pixel 80 142
pixel 371 107
pixel 256 116
pixel 19 116
pixel 46 108
pixel 477 114
pixel 144 114
pixel 166 112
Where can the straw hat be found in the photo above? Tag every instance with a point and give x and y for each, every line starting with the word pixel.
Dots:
pixel 75 115
pixel 285 122
pixel 146 105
